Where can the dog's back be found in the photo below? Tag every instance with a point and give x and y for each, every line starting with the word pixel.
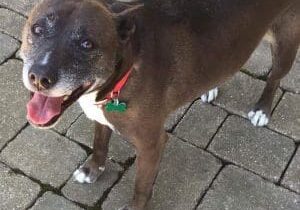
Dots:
pixel 209 40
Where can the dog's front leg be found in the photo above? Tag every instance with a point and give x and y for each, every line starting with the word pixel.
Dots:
pixel 147 165
pixel 93 167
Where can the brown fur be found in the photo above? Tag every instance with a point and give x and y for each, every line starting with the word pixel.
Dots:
pixel 179 50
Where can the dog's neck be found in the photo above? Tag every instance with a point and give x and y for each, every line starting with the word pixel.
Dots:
pixel 125 60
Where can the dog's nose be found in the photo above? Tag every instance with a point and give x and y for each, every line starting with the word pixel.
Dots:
pixel 40 82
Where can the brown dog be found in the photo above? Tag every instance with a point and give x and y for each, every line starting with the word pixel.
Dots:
pixel 131 65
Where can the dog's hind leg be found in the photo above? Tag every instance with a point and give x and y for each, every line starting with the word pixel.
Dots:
pixel 286 33
pixel 93 167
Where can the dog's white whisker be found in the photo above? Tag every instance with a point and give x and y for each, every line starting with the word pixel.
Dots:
pixel 27 66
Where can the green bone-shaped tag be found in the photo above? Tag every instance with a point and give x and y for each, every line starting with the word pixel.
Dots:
pixel 115 106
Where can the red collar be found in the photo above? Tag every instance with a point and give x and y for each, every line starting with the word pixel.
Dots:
pixel 119 86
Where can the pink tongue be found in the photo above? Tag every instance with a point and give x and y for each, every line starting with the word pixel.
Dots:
pixel 42 109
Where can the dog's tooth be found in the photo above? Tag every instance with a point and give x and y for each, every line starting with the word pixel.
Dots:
pixel 66 98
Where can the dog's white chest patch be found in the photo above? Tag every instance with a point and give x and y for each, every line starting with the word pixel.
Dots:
pixel 92 111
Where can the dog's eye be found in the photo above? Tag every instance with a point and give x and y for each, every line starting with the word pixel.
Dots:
pixel 87 44
pixel 37 30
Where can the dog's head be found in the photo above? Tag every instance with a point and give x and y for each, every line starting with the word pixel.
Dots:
pixel 71 47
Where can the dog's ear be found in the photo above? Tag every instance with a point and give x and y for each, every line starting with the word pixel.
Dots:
pixel 126 22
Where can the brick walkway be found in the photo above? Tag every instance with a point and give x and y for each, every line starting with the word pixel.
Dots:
pixel 215 159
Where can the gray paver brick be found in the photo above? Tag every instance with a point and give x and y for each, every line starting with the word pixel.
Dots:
pixel 174 118
pixel 292 176
pixel 50 201
pixel 69 117
pixel 119 149
pixel 12 101
pixel 122 192
pixel 11 23
pixel 200 123
pixel 240 94
pixel 292 80
pixel 16 191
pixel 258 149
pixel 8 47
pixel 43 155
pixel 18 56
pixel 89 194
pixel 286 117
pixel 236 189
pixel 260 61
pixel 185 173
pixel 21 6
pixel 83 131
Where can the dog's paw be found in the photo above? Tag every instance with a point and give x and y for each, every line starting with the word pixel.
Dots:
pixel 258 118
pixel 86 174
pixel 210 95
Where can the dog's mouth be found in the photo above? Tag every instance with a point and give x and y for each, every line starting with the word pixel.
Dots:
pixel 44 111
